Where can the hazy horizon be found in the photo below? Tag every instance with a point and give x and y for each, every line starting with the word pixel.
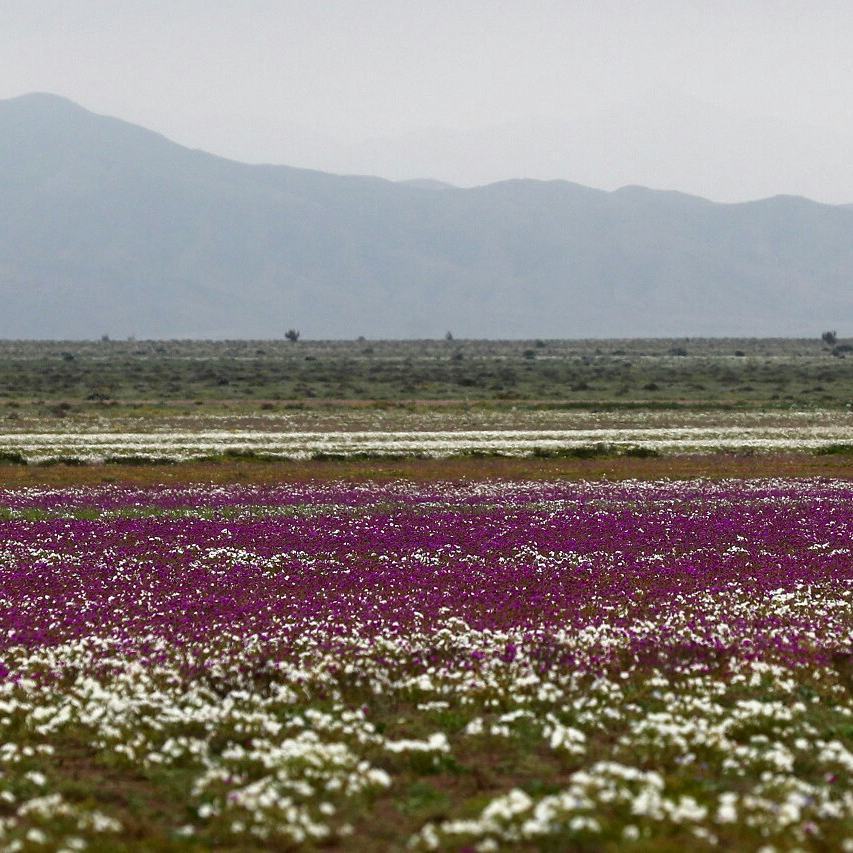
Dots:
pixel 735 102
pixel 108 227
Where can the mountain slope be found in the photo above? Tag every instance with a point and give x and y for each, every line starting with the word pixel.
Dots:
pixel 108 228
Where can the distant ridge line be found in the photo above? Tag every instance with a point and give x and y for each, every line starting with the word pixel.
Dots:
pixel 106 227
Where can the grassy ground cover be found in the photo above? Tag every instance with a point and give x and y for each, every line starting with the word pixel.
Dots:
pixel 224 471
pixel 66 376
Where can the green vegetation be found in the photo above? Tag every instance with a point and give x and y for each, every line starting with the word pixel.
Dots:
pixel 64 378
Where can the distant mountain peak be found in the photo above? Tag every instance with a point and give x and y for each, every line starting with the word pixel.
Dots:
pixel 46 100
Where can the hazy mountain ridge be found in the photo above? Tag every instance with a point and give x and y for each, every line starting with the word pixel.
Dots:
pixel 710 151
pixel 106 227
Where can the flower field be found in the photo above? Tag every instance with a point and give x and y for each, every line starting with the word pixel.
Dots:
pixel 481 666
pixel 40 448
pixel 304 434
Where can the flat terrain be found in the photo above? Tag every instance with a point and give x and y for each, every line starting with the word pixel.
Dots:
pixel 426 595
pixel 711 466
pixel 60 378
pixel 176 401
pixel 556 666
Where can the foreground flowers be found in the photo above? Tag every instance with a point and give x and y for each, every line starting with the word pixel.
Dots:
pixel 477 665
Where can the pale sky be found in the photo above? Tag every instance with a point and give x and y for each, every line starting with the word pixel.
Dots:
pixel 730 100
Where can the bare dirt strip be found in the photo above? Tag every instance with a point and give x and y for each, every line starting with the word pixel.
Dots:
pixel 714 466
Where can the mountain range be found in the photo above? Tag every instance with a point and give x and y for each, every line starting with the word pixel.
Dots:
pixel 109 228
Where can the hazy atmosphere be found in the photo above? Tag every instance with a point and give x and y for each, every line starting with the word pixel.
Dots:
pixel 729 100
pixel 426 425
